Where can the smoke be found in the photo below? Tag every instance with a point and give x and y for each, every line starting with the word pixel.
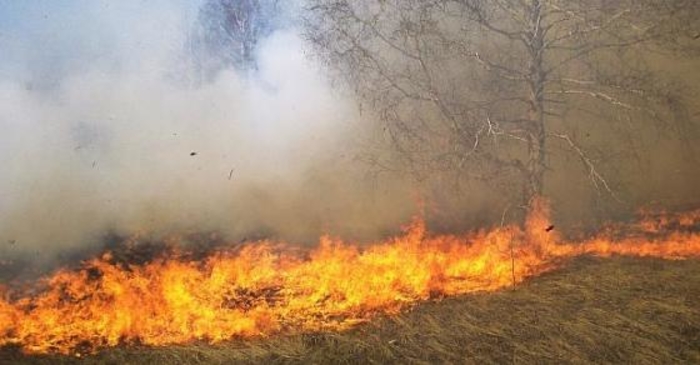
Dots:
pixel 102 130
pixel 99 133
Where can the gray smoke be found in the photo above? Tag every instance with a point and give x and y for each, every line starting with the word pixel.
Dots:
pixel 100 133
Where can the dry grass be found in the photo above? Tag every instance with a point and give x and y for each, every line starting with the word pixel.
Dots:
pixel 594 311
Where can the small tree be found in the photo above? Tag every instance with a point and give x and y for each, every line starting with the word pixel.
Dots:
pixel 492 88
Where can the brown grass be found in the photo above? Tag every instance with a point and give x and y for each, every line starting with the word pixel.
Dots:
pixel 616 310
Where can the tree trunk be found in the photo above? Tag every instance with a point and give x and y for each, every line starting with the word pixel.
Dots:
pixel 535 167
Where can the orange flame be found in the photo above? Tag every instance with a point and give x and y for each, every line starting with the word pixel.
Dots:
pixel 262 289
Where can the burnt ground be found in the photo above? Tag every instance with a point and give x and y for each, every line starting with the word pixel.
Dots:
pixel 592 311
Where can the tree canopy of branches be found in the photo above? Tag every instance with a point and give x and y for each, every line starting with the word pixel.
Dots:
pixel 227 33
pixel 493 88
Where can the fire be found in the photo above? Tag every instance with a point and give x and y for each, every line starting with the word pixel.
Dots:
pixel 267 288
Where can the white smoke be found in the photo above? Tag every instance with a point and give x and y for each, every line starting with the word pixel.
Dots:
pixel 98 133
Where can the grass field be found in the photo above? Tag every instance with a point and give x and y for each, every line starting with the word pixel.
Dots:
pixel 617 310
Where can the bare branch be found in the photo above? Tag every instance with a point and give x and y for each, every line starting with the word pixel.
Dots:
pixel 596 178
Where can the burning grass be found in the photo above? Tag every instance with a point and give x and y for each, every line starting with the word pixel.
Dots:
pixel 264 289
pixel 627 310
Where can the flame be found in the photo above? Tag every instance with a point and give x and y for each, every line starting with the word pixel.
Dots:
pixel 267 288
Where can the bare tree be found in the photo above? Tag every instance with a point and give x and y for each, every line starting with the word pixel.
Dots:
pixel 494 88
pixel 227 34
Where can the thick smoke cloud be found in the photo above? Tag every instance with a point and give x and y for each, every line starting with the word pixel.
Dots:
pixel 100 133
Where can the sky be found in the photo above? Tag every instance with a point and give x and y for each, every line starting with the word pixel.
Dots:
pixel 44 41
